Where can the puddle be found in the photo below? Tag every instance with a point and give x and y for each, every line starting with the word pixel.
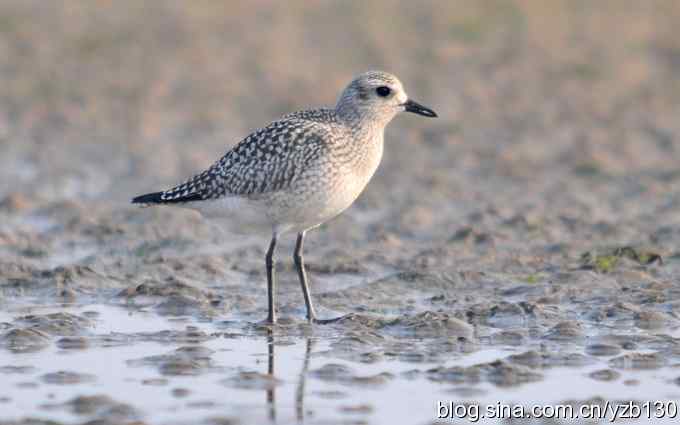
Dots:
pixel 264 377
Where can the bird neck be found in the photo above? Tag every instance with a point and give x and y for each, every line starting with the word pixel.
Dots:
pixel 362 123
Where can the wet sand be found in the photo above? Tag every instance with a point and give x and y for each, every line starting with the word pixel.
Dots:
pixel 522 248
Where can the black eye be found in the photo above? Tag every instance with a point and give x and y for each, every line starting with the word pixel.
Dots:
pixel 383 91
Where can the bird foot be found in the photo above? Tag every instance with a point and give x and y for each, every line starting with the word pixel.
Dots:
pixel 326 321
pixel 266 323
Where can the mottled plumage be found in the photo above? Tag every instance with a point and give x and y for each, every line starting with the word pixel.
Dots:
pixel 267 160
pixel 302 169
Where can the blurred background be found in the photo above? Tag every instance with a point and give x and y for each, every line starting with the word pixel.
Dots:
pixel 103 99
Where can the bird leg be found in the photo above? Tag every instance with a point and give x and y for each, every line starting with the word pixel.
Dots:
pixel 302 275
pixel 271 280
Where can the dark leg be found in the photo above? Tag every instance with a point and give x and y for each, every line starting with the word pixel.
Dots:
pixel 271 280
pixel 271 392
pixel 300 265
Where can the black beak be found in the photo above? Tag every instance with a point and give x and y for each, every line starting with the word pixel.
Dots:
pixel 419 109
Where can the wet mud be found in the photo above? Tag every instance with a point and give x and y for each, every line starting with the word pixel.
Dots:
pixel 521 248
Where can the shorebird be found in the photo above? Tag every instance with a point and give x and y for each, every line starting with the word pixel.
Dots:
pixel 299 171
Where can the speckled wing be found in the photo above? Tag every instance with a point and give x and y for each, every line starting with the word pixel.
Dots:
pixel 268 160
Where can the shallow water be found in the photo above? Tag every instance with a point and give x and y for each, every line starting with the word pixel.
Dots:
pixel 121 341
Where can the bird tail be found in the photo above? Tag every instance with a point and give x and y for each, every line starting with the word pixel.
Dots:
pixel 167 197
pixel 191 190
pixel 149 198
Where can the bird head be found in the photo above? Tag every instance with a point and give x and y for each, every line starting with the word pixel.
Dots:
pixel 379 96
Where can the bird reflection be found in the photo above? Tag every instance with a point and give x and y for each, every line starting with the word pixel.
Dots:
pixel 302 377
pixel 271 389
pixel 300 390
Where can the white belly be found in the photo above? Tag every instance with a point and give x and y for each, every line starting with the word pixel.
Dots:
pixel 237 214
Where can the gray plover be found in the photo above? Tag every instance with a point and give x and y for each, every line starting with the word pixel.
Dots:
pixel 301 170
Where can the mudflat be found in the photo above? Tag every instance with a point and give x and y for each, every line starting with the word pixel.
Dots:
pixel 522 248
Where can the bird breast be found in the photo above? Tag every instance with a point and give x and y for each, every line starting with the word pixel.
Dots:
pixel 327 187
pixel 352 177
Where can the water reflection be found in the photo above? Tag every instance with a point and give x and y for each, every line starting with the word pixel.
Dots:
pixel 302 378
pixel 271 389
pixel 300 390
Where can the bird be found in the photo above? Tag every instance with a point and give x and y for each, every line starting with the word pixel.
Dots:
pixel 299 171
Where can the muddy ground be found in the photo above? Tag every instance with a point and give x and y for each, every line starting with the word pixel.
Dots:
pixel 522 248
